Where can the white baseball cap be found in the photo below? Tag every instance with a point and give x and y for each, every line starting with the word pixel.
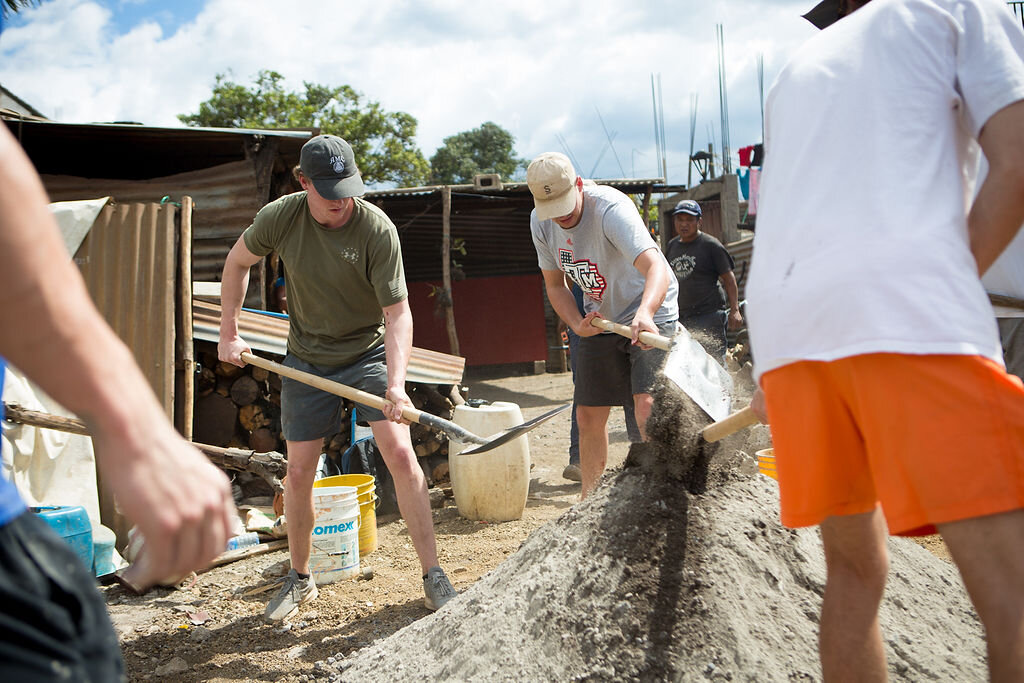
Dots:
pixel 551 179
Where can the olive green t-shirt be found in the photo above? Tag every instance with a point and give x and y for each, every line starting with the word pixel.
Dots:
pixel 338 280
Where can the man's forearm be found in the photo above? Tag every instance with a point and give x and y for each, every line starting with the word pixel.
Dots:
pixel 998 210
pixel 234 283
pixel 732 290
pixel 397 346
pixel 564 305
pixel 656 281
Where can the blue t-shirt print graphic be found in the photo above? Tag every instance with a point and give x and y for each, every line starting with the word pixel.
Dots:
pixel 11 504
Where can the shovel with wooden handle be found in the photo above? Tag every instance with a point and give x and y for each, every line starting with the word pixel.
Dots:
pixel 741 419
pixel 688 365
pixel 454 432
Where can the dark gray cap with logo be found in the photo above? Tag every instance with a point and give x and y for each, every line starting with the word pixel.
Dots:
pixel 688 206
pixel 327 161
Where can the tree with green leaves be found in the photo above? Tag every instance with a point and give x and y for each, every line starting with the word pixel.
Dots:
pixel 383 142
pixel 487 149
pixel 11 6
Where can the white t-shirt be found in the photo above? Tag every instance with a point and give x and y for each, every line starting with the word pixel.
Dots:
pixel 598 254
pixel 861 242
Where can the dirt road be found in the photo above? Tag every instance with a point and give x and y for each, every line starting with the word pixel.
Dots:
pixel 161 640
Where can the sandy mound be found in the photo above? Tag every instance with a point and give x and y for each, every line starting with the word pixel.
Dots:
pixel 675 569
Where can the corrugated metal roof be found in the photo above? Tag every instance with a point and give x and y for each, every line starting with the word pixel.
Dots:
pixel 131 151
pixel 627 185
pixel 269 333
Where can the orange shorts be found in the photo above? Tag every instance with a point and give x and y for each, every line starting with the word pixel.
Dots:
pixel 932 438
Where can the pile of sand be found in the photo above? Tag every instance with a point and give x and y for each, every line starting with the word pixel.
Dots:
pixel 676 568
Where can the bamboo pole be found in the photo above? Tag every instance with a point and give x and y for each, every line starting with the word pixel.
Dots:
pixel 446 268
pixel 271 467
pixel 187 343
pixel 18 415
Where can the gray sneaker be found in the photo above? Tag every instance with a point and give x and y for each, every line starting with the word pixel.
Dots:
pixel 437 588
pixel 572 473
pixel 293 593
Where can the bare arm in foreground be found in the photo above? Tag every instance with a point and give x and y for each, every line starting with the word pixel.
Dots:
pixel 50 330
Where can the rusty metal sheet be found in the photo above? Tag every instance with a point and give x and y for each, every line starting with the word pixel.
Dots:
pixel 269 333
pixel 742 252
pixel 129 261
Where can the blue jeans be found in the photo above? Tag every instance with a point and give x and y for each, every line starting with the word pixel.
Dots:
pixel 632 429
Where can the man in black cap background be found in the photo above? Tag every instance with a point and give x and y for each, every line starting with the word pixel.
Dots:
pixel 704 269
pixel 350 322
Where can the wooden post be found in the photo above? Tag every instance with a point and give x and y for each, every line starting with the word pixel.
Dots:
pixel 187 343
pixel 645 211
pixel 446 268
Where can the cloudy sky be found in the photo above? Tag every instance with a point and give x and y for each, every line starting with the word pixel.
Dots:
pixel 560 76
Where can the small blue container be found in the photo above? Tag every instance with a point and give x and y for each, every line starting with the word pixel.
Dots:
pixel 103 540
pixel 72 524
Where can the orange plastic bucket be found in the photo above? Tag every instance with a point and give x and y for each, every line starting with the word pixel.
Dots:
pixel 766 463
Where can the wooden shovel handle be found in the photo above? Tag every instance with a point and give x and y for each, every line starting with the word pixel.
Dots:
pixel 411 414
pixel 655 340
pixel 730 425
pixel 330 386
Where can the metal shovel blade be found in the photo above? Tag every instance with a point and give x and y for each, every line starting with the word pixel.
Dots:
pixel 513 433
pixel 699 376
pixel 689 367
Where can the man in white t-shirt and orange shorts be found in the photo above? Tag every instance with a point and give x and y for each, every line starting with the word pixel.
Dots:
pixel 873 339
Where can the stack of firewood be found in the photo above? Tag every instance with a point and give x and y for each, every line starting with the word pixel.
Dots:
pixel 237 407
pixel 241 408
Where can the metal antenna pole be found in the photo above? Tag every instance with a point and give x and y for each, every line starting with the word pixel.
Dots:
pixel 760 88
pixel 723 100
pixel 657 131
pixel 614 153
pixel 568 152
pixel 664 148
pixel 693 132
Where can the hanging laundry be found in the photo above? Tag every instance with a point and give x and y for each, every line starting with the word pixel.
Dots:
pixel 758 159
pixel 744 175
pixel 755 184
pixel 744 155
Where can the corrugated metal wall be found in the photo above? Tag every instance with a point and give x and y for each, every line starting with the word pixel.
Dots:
pixel 226 199
pixel 742 251
pixel 495 232
pixel 129 262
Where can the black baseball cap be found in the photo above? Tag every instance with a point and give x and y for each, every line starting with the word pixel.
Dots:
pixel 330 165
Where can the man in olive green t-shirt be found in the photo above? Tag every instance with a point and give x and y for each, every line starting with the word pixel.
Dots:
pixel 349 322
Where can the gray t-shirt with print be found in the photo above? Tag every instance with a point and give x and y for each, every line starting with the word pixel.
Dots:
pixel 598 255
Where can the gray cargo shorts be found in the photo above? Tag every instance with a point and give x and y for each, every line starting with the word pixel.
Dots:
pixel 610 370
pixel 308 413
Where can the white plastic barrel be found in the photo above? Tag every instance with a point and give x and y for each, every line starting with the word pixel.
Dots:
pixel 335 552
pixel 491 486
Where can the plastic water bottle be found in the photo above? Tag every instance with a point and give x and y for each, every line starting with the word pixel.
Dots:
pixel 246 540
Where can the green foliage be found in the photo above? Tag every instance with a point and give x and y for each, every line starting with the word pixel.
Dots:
pixel 487 149
pixel 11 6
pixel 383 142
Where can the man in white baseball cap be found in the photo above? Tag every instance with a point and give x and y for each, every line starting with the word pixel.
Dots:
pixel 593 236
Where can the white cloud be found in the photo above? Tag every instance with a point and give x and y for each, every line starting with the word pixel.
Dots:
pixel 539 68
